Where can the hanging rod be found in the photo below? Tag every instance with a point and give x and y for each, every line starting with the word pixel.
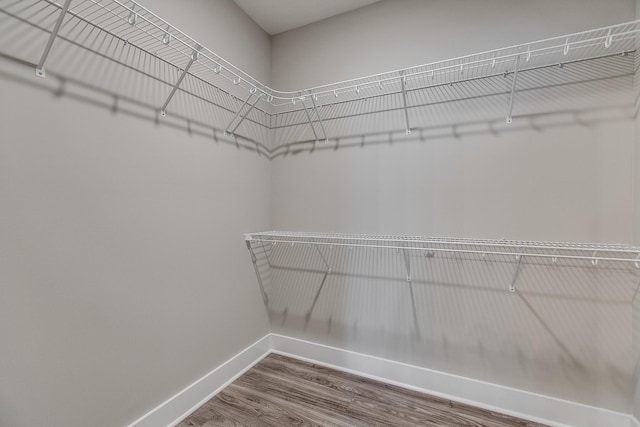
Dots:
pixel 156 34
pixel 593 252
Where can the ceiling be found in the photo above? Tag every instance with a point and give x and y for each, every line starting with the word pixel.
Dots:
pixel 277 16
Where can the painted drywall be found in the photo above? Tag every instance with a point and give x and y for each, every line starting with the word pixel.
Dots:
pixel 123 271
pixel 225 29
pixel 567 179
pixel 636 301
pixel 394 34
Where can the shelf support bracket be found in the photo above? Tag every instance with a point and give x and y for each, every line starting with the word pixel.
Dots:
pixel 513 90
pixel 266 254
pixel 40 72
pixel 324 260
pixel 237 113
pixel 194 58
pixel 407 264
pixel 242 116
pixel 254 260
pixel 403 81
pixel 315 108
pixel 512 287
pixel 306 111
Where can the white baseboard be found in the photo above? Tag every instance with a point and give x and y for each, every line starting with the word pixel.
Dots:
pixel 177 407
pixel 510 401
pixel 531 406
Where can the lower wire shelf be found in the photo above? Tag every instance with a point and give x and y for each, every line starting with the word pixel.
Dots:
pixel 409 248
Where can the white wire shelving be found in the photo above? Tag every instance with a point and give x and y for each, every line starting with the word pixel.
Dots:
pixel 133 37
pixel 597 256
pixel 553 251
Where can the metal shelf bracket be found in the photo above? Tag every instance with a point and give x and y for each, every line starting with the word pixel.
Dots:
pixel 324 260
pixel 513 90
pixel 40 71
pixel 315 108
pixel 254 260
pixel 194 58
pixel 403 82
pixel 407 264
pixel 242 116
pixel 512 287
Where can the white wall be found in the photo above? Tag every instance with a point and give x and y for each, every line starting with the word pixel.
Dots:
pixel 124 275
pixel 123 271
pixel 636 301
pixel 560 183
pixel 401 33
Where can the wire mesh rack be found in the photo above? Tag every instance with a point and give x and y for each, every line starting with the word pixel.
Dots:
pixel 412 251
pixel 553 251
pixel 195 82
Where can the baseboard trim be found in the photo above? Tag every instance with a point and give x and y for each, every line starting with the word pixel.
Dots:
pixel 176 408
pixel 531 406
pixel 510 401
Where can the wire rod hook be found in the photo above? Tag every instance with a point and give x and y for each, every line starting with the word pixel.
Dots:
pixel 608 39
pixel 133 16
pixel 166 39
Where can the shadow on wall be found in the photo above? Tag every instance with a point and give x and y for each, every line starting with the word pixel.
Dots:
pixel 19 72
pixel 560 330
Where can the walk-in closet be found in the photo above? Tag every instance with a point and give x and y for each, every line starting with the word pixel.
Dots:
pixel 298 212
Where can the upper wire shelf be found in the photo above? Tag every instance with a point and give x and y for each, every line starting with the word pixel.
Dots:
pixel 431 246
pixel 139 26
pixel 400 99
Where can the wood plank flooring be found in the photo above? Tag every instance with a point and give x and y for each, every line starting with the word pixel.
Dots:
pixel 280 391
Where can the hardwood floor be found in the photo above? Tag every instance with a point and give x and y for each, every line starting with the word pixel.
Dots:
pixel 280 391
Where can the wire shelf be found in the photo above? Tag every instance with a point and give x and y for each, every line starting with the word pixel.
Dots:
pixel 210 90
pixel 432 246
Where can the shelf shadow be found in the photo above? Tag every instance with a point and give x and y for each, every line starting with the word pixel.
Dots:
pixel 560 329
